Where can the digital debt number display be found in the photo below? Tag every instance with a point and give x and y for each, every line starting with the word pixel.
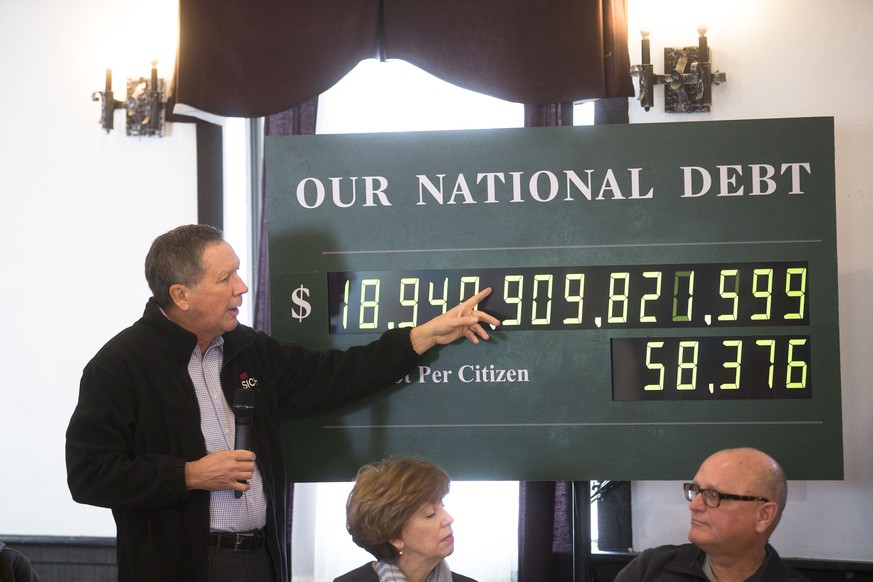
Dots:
pixel 665 290
pixel 688 296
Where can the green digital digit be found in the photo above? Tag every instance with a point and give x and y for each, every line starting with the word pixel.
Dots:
pixel 731 295
pixel 513 298
pixel 405 283
pixel 771 345
pixel 466 281
pixel 346 305
pixel 618 299
pixel 442 300
pixel 765 275
pixel 795 367
pixel 647 297
pixel 549 281
pixel 687 365
pixel 736 364
pixel 797 276
pixel 577 297
pixel 371 305
pixel 652 365
pixel 689 276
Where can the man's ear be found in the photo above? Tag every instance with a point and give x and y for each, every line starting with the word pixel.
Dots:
pixel 767 513
pixel 179 295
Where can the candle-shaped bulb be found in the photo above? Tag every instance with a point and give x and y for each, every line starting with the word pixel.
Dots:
pixel 702 44
pixel 108 88
pixel 645 47
pixel 154 82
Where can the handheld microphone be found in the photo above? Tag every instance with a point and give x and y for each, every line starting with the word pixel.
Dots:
pixel 244 411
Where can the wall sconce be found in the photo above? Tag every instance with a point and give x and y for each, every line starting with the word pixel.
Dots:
pixel 145 104
pixel 688 85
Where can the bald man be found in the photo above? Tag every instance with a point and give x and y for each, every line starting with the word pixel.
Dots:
pixel 736 500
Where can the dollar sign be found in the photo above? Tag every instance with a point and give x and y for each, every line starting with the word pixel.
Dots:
pixel 297 296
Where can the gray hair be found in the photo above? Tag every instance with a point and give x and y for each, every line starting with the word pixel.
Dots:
pixel 176 256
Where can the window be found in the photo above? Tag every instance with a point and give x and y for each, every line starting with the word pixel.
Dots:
pixel 382 97
pixel 396 96
pixel 485 529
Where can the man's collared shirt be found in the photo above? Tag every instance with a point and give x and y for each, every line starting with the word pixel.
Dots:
pixel 217 422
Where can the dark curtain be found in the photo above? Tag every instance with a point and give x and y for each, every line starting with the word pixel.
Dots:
pixel 554 532
pixel 248 58
pixel 545 531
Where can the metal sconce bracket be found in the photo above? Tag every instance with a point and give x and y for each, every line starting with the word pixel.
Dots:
pixel 688 86
pixel 145 104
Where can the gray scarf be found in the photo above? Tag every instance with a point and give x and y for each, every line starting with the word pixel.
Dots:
pixel 392 573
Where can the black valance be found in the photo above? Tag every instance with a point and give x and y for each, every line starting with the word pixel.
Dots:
pixel 249 58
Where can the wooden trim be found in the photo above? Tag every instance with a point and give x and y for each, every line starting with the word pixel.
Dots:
pixel 210 174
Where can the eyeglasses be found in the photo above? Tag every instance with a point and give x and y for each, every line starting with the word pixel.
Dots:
pixel 712 498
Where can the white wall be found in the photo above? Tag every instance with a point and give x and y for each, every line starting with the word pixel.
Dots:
pixel 791 58
pixel 80 209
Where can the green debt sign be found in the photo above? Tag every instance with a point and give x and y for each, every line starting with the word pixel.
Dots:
pixel 666 290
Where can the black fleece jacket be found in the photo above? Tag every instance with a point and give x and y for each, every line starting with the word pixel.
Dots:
pixel 684 563
pixel 137 423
